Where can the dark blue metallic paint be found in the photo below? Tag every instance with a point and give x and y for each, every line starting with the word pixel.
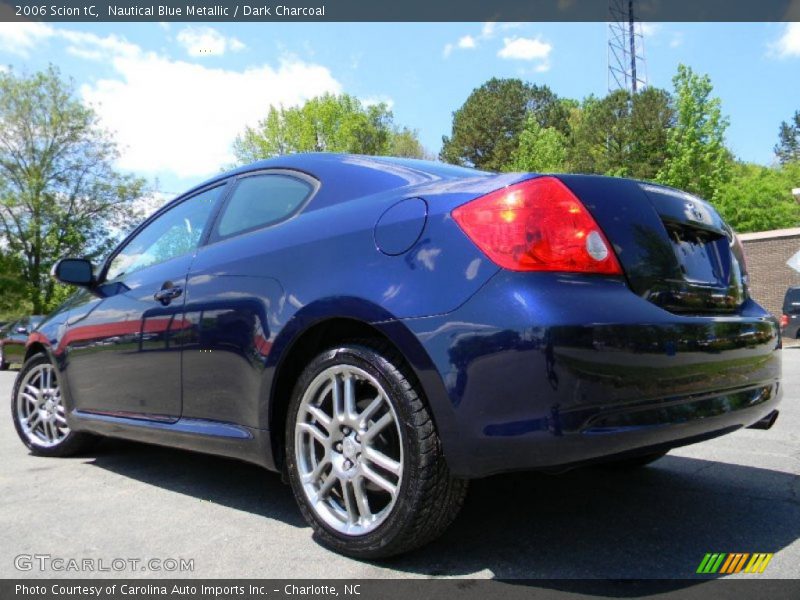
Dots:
pixel 522 370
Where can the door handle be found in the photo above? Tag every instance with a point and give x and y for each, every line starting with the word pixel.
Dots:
pixel 168 293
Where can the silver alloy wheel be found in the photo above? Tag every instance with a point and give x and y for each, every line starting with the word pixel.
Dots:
pixel 39 409
pixel 349 450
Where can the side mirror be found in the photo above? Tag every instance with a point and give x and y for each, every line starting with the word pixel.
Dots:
pixel 74 271
pixel 22 330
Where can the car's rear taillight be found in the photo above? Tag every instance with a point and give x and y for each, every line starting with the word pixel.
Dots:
pixel 784 320
pixel 537 225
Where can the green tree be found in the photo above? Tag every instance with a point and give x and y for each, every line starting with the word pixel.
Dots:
pixel 652 117
pixel 487 127
pixel 548 109
pixel 405 143
pixel 621 134
pixel 697 160
pixel 540 150
pixel 788 147
pixel 14 300
pixel 59 190
pixel 327 123
pixel 758 198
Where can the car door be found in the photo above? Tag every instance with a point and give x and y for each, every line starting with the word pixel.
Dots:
pixel 123 344
pixel 231 295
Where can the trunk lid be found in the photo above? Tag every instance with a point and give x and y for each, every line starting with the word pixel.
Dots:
pixel 675 249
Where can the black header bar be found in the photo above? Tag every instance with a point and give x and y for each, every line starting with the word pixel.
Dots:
pixel 392 10
pixel 699 588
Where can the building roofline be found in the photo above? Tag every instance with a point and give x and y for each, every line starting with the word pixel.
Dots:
pixel 768 235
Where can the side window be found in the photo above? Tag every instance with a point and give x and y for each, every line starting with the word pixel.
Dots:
pixel 172 234
pixel 260 200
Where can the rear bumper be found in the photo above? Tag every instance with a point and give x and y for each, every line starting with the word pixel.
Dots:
pixel 548 371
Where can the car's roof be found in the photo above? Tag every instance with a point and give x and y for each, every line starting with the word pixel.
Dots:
pixel 315 161
pixel 374 173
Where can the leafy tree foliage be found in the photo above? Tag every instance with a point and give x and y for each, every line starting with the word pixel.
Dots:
pixel 675 138
pixel 540 150
pixel 487 127
pixel 14 301
pixel 621 134
pixel 788 147
pixel 405 143
pixel 759 198
pixel 697 160
pixel 60 193
pixel 327 123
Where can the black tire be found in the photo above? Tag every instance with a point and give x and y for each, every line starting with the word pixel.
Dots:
pixel 3 364
pixel 429 498
pixel 634 462
pixel 73 443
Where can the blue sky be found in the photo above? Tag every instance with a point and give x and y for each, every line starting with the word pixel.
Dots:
pixel 177 94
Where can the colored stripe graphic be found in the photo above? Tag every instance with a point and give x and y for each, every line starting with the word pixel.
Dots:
pixel 729 563
pixel 758 563
pixel 734 563
pixel 711 563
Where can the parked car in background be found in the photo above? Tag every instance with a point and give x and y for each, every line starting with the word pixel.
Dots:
pixel 383 330
pixel 790 319
pixel 13 336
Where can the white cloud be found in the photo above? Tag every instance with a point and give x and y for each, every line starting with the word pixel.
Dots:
pixel 519 48
pixel 487 31
pixel 207 41
pixel 490 28
pixel 93 47
pixel 467 42
pixel 789 43
pixel 464 43
pixel 655 32
pixel 20 38
pixel 649 29
pixel 181 117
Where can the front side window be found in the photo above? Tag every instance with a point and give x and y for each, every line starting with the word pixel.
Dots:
pixel 261 200
pixel 174 233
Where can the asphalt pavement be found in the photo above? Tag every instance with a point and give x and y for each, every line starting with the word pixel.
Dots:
pixel 127 503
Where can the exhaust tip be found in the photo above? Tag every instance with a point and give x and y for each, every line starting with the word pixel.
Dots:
pixel 767 422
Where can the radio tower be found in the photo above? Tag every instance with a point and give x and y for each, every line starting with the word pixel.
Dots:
pixel 627 69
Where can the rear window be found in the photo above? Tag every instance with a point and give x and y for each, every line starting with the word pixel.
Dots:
pixel 262 200
pixel 792 298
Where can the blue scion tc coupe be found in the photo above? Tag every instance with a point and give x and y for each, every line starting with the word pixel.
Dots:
pixel 383 330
